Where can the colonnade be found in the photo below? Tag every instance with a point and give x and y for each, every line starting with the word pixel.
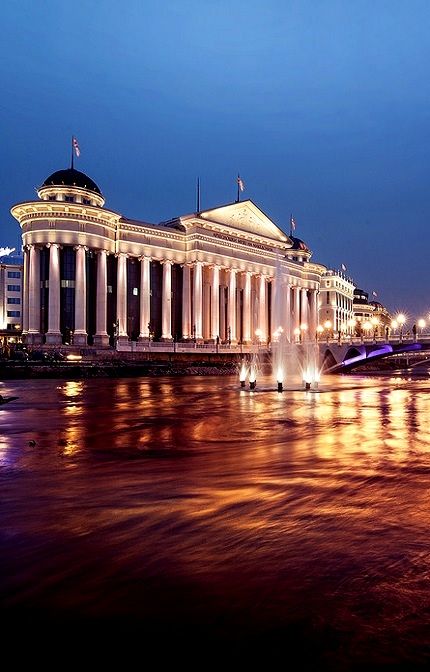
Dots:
pixel 218 301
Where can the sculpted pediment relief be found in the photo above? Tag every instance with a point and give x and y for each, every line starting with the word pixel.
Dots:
pixel 245 216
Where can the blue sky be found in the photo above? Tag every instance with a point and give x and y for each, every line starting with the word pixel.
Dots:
pixel 323 108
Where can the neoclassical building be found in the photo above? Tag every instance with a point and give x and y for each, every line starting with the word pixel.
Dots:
pixel 90 274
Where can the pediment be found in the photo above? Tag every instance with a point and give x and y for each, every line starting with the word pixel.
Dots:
pixel 245 216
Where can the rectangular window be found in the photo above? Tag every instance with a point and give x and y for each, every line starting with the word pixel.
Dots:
pixel 86 201
pixel 109 289
pixel 67 283
pixel 52 198
pixel 14 288
pixel 69 199
pixel 15 300
pixel 135 291
pixel 13 274
pixel 13 313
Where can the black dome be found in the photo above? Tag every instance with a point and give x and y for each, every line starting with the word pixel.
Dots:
pixel 299 244
pixel 71 178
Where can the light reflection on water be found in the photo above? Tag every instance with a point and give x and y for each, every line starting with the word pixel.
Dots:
pixel 301 515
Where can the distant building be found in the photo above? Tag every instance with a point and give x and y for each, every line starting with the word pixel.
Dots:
pixel 336 303
pixel 11 283
pixel 383 317
pixel 372 318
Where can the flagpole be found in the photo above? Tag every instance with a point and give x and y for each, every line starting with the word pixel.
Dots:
pixel 291 224
pixel 238 188
pixel 198 195
pixel 71 164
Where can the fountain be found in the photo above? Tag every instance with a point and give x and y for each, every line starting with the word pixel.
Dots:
pixel 295 359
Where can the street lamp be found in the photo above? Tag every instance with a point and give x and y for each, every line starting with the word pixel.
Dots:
pixel 297 334
pixel 375 323
pixel 327 327
pixel 421 325
pixel 320 330
pixel 367 326
pixel 303 330
pixel 401 319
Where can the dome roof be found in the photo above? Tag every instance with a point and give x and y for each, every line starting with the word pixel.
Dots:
pixel 71 178
pixel 299 245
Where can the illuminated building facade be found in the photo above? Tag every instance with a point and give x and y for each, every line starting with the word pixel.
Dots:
pixel 336 303
pixel 11 272
pixel 92 275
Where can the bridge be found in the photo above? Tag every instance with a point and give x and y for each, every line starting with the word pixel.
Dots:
pixel 335 356
pixel 345 357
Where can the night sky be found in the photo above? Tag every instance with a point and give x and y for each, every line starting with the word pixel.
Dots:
pixel 322 106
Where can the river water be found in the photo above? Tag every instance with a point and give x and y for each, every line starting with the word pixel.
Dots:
pixel 188 511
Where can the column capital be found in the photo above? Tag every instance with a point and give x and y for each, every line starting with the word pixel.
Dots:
pixel 167 262
pixel 121 254
pixel 80 247
pixel 54 245
pixel 101 251
pixel 144 256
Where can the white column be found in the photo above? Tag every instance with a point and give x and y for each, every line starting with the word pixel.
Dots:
pixel 198 300
pixel 296 311
pixel 24 292
pixel 80 332
pixel 215 303
pixel 288 313
pixel 232 306
pixel 121 296
pixel 262 309
pixel 101 336
pixel 304 312
pixel 312 315
pixel 166 306
pixel 247 308
pixel 34 295
pixel 186 302
pixel 145 297
pixel 53 336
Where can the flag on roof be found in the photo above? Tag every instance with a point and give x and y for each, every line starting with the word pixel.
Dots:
pixel 374 293
pixel 343 267
pixel 241 183
pixel 292 223
pixel 75 145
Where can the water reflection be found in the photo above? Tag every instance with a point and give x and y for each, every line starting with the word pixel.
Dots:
pixel 264 508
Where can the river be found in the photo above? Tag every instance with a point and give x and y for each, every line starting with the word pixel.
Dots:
pixel 186 510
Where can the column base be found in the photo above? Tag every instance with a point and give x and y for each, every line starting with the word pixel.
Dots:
pixel 33 338
pixel 122 340
pixel 80 339
pixel 101 340
pixel 143 339
pixel 166 339
pixel 54 339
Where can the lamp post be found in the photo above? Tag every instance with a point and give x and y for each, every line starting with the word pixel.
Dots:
pixel 327 327
pixel 351 327
pixel 303 330
pixel 421 325
pixel 320 330
pixel 297 335
pixel 401 319
pixel 375 323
